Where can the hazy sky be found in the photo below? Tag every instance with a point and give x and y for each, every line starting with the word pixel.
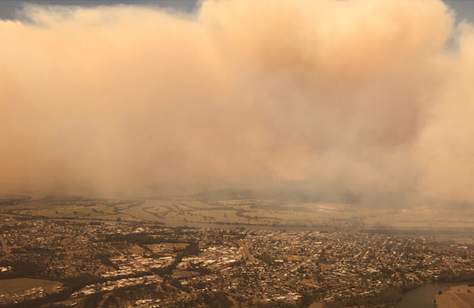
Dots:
pixel 370 100
pixel 9 7
pixel 464 8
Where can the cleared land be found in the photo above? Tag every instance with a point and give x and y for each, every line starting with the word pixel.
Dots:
pixel 456 297
pixel 450 223
pixel 22 285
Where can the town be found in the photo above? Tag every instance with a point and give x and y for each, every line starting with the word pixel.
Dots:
pixel 74 263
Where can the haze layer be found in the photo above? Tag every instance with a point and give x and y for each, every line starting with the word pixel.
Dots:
pixel 368 98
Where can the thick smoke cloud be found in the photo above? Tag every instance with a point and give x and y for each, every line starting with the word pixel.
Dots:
pixel 370 99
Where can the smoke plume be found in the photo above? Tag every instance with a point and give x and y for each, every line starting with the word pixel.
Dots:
pixel 371 99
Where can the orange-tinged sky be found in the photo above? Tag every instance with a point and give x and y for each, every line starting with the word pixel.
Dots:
pixel 360 97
